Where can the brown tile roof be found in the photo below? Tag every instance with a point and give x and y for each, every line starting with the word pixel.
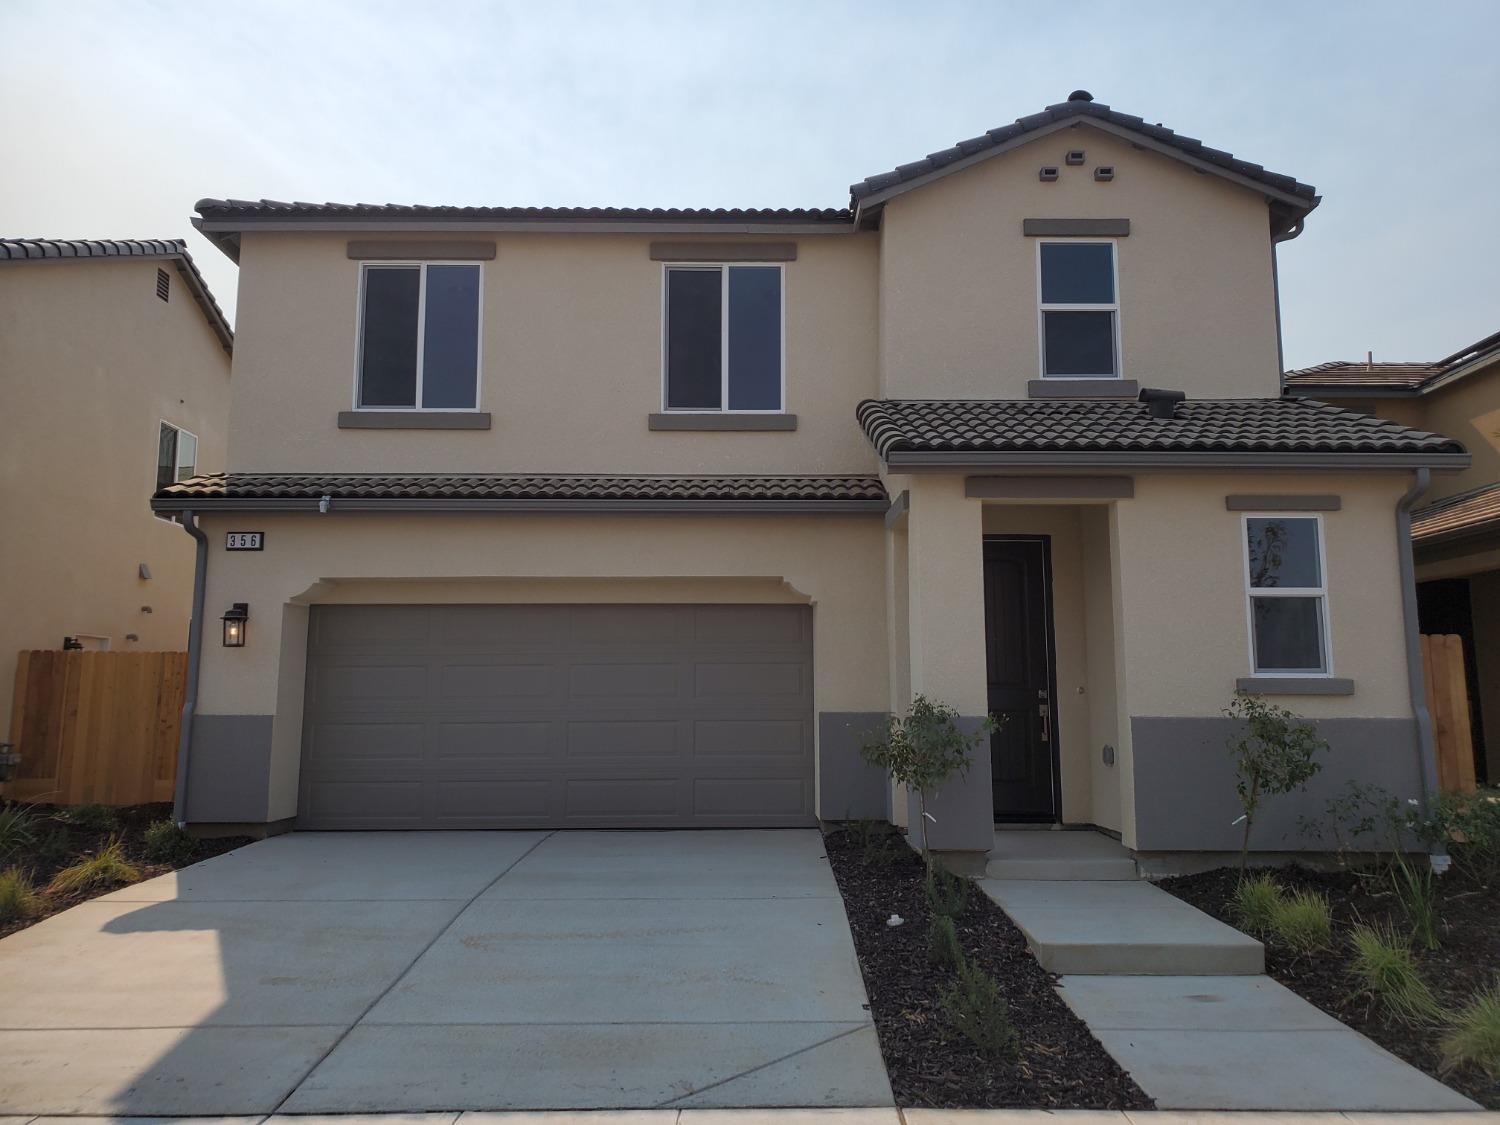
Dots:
pixel 279 209
pixel 1455 516
pixel 44 249
pixel 1081 105
pixel 721 493
pixel 1397 377
pixel 1276 426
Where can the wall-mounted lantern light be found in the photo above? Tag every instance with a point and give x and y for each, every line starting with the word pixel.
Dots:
pixel 235 618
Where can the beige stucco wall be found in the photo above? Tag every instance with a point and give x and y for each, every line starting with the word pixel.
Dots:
pixel 91 361
pixel 1185 624
pixel 836 564
pixel 1469 410
pixel 958 289
pixel 571 363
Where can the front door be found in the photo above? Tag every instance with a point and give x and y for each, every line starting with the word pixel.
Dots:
pixel 1018 631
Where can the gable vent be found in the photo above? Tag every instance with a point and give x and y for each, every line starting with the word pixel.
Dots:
pixel 163 284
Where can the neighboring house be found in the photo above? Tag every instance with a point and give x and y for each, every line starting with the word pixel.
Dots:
pixel 114 379
pixel 1456 523
pixel 615 517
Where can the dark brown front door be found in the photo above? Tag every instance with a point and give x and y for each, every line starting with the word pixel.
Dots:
pixel 1018 628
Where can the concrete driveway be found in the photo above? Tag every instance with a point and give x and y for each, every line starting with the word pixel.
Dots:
pixel 368 972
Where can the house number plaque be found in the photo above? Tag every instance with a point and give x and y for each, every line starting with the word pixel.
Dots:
pixel 244 540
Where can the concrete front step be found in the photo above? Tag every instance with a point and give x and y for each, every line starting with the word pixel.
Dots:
pixel 1100 927
pixel 1054 855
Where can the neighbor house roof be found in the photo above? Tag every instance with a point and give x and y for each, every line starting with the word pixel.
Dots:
pixel 175 249
pixel 222 220
pixel 937 432
pixel 1455 517
pixel 1394 379
pixel 523 491
pixel 1295 199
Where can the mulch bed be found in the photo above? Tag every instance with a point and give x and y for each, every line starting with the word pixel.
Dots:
pixel 1060 1064
pixel 61 840
pixel 1467 960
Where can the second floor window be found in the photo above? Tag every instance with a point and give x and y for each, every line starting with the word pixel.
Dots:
pixel 176 457
pixel 723 338
pixel 1080 310
pixel 419 337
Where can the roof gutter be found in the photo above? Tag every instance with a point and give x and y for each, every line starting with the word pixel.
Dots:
pixel 1426 744
pixel 951 461
pixel 194 663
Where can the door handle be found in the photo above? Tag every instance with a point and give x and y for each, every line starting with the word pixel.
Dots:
pixel 1044 712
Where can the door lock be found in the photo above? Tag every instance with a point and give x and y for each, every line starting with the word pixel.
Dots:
pixel 1044 712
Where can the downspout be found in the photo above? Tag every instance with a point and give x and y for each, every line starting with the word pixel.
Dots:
pixel 195 658
pixel 1276 240
pixel 1426 745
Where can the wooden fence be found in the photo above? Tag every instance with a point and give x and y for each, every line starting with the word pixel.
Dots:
pixel 96 727
pixel 1448 703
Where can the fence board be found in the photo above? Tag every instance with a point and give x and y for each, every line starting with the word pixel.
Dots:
pixel 97 727
pixel 1447 690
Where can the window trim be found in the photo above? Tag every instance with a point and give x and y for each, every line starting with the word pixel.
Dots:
pixel 359 335
pixel 1320 592
pixel 1042 308
pixel 176 461
pixel 723 268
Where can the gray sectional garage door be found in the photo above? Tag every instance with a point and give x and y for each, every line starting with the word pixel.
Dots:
pixel 529 716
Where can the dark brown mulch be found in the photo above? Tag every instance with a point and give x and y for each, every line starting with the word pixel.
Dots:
pixel 1060 1064
pixel 63 836
pixel 1467 960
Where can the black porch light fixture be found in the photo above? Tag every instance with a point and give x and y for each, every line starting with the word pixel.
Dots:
pixel 235 619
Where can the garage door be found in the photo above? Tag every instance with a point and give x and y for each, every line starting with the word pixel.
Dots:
pixel 528 716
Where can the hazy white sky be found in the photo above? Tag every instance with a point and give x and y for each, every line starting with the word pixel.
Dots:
pixel 117 115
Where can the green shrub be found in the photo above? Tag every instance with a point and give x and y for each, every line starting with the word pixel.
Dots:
pixel 947 893
pixel 1473 1037
pixel 93 818
pixel 978 1012
pixel 1273 752
pixel 17 899
pixel 1416 891
pixel 1383 965
pixel 52 847
pixel 943 946
pixel 17 830
pixel 105 868
pixel 1468 825
pixel 1303 921
pixel 167 843
pixel 1256 898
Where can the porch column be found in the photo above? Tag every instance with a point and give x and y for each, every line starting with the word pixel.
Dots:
pixel 945 540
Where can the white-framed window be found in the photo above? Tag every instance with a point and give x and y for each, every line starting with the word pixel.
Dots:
pixel 1078 309
pixel 418 345
pixel 723 338
pixel 1286 585
pixel 176 457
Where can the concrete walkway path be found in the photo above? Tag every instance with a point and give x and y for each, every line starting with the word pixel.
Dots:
pixel 379 972
pixel 1178 999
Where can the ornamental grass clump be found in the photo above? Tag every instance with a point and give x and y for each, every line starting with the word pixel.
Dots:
pixel 107 867
pixel 1473 1036
pixel 1256 899
pixel 17 898
pixel 1303 921
pixel 1383 966
pixel 168 843
pixel 17 829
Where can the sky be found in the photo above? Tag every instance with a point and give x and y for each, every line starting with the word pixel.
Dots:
pixel 118 115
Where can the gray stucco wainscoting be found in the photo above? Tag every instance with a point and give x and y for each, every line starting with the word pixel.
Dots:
pixel 1185 782
pixel 229 772
pixel 849 788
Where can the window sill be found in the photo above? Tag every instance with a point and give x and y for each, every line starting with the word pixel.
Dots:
pixel 722 422
pixel 414 420
pixel 1294 685
pixel 1082 388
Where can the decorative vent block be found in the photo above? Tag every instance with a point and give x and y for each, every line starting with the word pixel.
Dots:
pixel 1048 173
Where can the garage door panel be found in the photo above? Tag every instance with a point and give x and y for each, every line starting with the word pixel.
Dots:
pixel 527 716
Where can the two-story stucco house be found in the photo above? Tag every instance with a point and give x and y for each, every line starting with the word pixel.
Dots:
pixel 1456 525
pixel 618 517
pixel 114 381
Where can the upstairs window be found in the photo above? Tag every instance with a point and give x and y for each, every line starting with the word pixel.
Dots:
pixel 1080 310
pixel 1287 585
pixel 176 457
pixel 419 337
pixel 723 338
